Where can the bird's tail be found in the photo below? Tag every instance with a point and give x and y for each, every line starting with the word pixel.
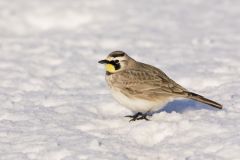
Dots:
pixel 202 99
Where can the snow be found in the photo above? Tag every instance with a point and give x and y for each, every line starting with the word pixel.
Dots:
pixel 54 100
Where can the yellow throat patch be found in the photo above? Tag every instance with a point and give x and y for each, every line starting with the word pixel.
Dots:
pixel 110 68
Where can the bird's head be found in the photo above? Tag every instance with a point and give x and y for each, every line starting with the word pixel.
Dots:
pixel 116 61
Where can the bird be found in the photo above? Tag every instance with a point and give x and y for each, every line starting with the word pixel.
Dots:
pixel 143 88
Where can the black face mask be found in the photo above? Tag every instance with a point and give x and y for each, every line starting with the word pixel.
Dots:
pixel 115 63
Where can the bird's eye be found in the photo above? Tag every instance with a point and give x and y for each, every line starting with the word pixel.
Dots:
pixel 116 61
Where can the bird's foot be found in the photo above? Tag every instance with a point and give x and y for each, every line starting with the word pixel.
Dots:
pixel 144 116
pixel 135 116
pixel 138 116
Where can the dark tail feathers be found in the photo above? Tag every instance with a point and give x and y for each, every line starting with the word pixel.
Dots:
pixel 202 99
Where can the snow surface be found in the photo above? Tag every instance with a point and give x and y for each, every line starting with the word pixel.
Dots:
pixel 55 104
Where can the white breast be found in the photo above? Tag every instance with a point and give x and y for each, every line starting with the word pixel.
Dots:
pixel 135 104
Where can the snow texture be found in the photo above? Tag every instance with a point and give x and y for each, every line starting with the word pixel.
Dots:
pixel 55 104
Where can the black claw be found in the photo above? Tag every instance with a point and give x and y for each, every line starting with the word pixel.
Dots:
pixel 133 119
pixel 129 116
pixel 143 117
pixel 135 115
pixel 138 116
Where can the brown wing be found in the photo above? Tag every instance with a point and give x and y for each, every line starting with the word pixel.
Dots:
pixel 148 81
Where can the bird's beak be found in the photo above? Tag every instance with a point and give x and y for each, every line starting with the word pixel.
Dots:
pixel 103 61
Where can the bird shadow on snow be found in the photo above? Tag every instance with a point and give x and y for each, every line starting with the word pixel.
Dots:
pixel 181 106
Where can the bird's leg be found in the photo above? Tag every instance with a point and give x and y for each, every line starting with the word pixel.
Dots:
pixel 138 116
pixel 135 116
pixel 143 116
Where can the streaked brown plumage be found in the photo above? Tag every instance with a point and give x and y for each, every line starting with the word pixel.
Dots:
pixel 137 81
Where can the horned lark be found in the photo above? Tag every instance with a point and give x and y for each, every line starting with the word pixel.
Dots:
pixel 143 88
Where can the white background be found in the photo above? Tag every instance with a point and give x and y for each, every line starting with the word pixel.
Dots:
pixel 55 104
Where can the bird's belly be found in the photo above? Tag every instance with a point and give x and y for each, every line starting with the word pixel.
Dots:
pixel 137 104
